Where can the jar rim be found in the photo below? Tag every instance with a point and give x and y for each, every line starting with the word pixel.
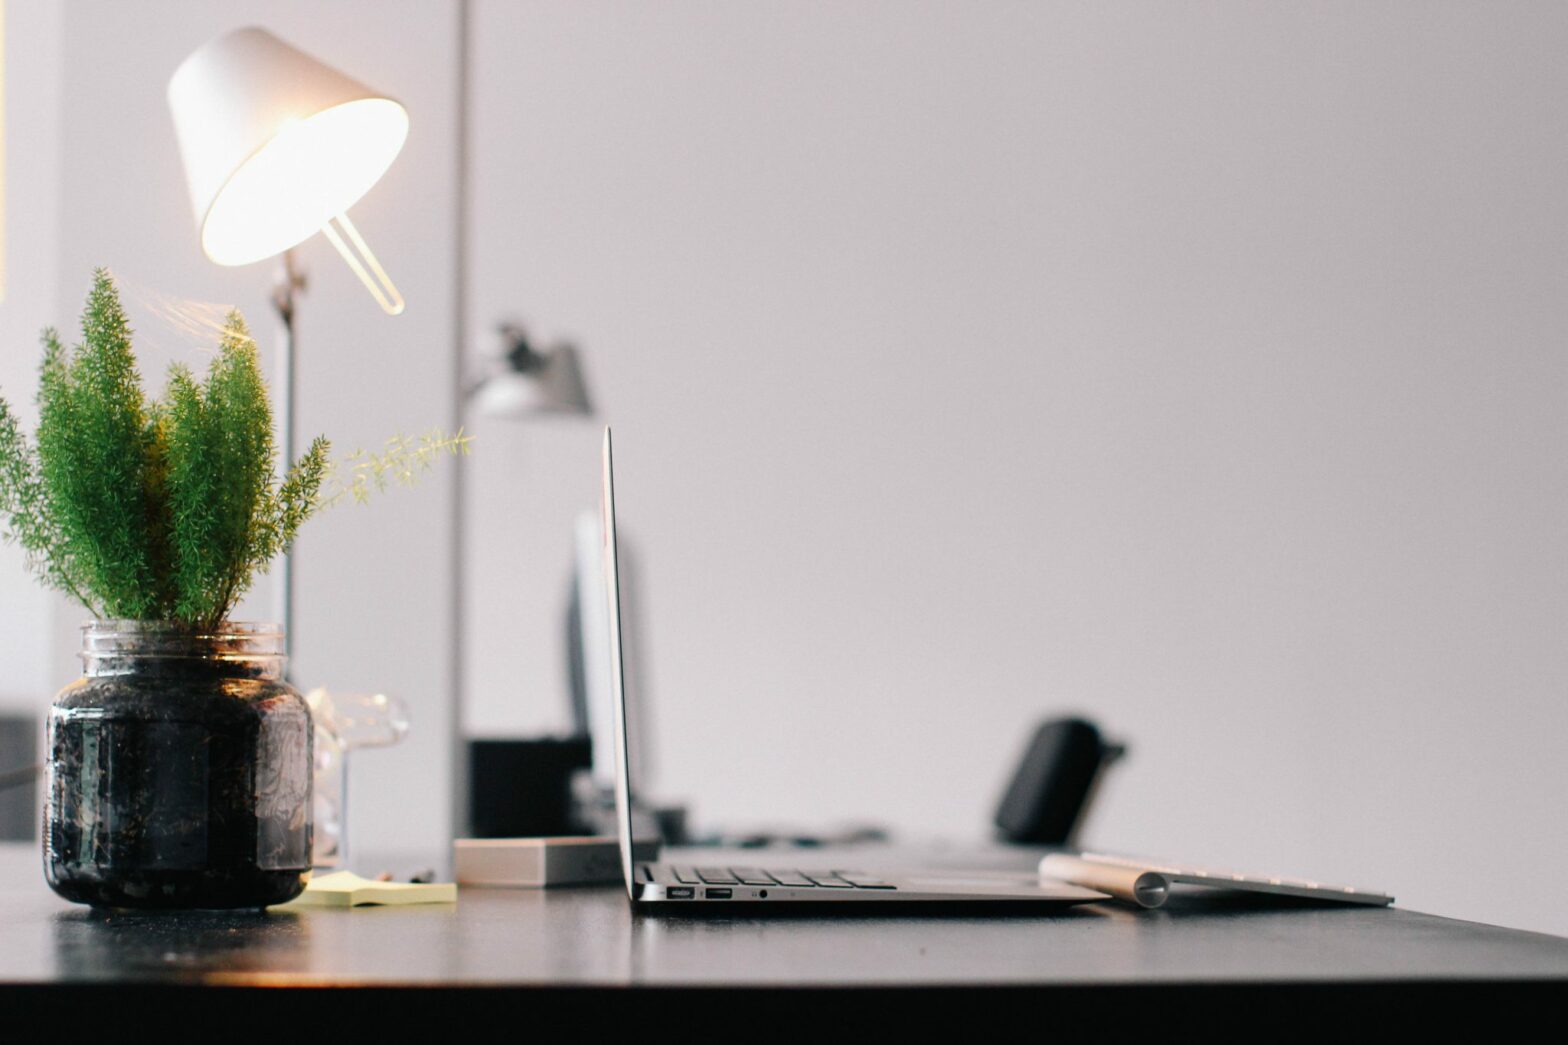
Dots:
pixel 117 646
pixel 129 628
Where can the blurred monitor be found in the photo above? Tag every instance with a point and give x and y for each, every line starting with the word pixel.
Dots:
pixel 588 648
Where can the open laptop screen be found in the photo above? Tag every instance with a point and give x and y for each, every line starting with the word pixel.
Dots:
pixel 612 589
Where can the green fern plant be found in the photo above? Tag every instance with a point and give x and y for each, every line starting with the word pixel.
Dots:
pixel 166 510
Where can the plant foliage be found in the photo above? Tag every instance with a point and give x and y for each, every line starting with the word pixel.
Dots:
pixel 166 510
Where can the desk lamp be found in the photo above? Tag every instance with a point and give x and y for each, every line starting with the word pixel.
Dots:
pixel 276 146
pixel 524 381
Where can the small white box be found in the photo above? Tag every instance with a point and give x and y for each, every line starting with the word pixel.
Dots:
pixel 537 862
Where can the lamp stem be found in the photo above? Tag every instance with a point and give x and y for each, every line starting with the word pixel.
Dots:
pixel 342 234
pixel 285 295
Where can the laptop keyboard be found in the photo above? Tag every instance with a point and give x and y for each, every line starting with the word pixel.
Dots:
pixel 793 879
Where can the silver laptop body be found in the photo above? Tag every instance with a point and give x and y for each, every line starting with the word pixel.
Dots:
pixel 675 885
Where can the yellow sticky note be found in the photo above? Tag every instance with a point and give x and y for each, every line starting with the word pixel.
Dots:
pixel 347 889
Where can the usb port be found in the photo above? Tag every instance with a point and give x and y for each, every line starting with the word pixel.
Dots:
pixel 679 892
pixel 717 894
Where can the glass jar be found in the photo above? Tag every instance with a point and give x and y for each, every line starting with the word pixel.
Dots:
pixel 179 770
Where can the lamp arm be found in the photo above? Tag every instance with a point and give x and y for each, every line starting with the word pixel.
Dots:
pixel 521 356
pixel 342 234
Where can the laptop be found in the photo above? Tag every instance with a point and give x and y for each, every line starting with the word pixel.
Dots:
pixel 664 885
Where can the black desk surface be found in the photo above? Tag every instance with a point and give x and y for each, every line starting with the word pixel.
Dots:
pixel 568 944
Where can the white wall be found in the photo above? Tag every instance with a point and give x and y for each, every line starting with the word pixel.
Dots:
pixel 373 582
pixel 1196 366
pixel 30 237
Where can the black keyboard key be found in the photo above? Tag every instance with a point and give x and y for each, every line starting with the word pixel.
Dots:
pixel 828 880
pixel 864 881
pixel 752 876
pixel 794 878
pixel 716 876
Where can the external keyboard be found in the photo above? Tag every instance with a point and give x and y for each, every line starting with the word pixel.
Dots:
pixel 794 879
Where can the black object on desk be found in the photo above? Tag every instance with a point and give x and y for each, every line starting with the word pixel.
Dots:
pixel 1049 796
pixel 523 788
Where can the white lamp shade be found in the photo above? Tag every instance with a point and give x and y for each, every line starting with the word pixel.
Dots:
pixel 275 143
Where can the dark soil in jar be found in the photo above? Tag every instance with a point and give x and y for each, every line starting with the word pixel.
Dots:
pixel 181 783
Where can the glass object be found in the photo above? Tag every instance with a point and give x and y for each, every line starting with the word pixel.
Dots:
pixel 179 770
pixel 345 722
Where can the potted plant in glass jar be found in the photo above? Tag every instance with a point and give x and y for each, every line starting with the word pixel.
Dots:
pixel 179 770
